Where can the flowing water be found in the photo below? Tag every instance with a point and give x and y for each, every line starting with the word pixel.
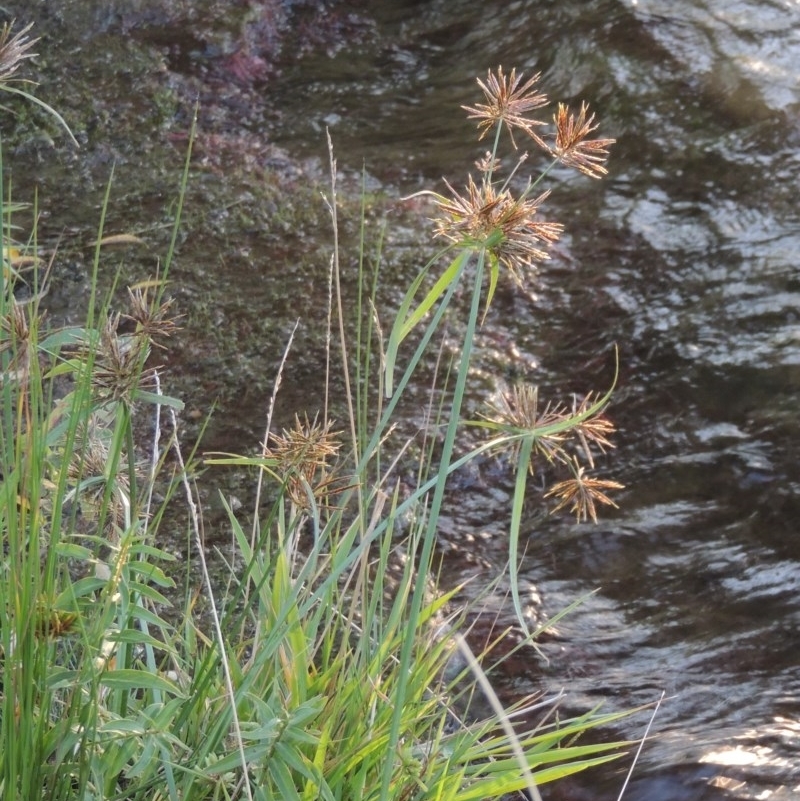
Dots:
pixel 685 257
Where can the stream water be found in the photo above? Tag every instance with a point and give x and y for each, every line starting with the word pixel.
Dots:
pixel 685 257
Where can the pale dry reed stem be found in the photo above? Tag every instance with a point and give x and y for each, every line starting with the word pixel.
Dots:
pixel 264 443
pixel 502 716
pixel 331 203
pixel 197 528
pixel 641 745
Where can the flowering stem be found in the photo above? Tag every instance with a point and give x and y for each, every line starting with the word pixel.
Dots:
pixel 539 178
pixel 494 153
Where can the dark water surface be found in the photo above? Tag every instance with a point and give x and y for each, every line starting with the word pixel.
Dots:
pixel 685 257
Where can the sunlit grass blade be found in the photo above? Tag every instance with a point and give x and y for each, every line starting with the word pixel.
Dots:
pixel 14 90
pixel 407 320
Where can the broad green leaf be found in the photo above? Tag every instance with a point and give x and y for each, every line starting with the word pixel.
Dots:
pixel 71 550
pixel 161 400
pixel 129 679
pixel 136 637
pixel 65 336
pixel 152 574
pixel 450 275
pixel 494 273
pixel 123 727
pixel 253 754
pixel 61 679
pixel 86 586
pixel 146 591
pixel 146 762
pixel 142 548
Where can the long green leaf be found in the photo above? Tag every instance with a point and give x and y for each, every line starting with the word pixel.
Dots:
pixel 407 321
pixel 49 109
pixel 525 450
pixel 431 526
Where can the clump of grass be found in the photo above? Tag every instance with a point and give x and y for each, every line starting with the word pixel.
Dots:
pixel 83 648
pixel 324 668
pixel 386 639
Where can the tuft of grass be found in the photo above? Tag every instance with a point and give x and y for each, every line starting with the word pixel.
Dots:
pixel 327 666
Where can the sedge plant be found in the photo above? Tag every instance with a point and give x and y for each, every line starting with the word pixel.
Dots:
pixel 340 582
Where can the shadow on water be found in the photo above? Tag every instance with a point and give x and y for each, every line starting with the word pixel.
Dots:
pixel 684 257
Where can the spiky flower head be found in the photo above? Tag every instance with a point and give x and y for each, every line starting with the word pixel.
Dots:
pixel 13 50
pixel 488 163
pixel 87 471
pixel 17 336
pixel 518 411
pixel 304 456
pixel 582 493
pixel 118 362
pixel 508 103
pixel 564 436
pixel 592 428
pixel 494 218
pixel 52 622
pixel 152 321
pixel 573 148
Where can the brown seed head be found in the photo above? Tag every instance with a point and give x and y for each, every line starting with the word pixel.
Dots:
pixel 582 492
pixel 13 49
pixel 573 148
pixel 508 103
pixel 151 321
pixel 518 411
pixel 118 363
pixel 304 455
pixel 486 216
pixel 16 337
